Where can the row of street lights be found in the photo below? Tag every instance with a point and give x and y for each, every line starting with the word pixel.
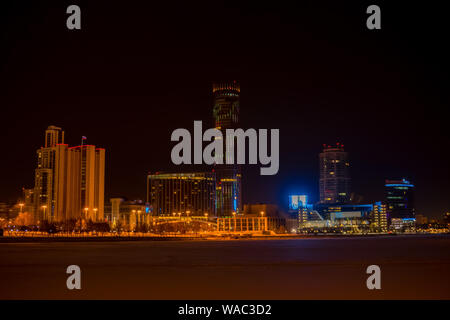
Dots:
pixel 234 214
pixel 86 210
pixel 188 213
pixel 44 208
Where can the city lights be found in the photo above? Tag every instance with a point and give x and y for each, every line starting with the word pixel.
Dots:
pixel 238 159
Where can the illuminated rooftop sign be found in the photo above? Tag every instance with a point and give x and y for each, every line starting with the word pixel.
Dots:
pixel 297 201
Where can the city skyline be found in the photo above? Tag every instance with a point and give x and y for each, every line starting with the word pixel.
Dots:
pixel 58 177
pixel 196 156
pixel 179 169
pixel 378 96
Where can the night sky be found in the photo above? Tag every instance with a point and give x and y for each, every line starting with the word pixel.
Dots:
pixel 138 70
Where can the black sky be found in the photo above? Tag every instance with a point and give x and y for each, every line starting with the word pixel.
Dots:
pixel 138 70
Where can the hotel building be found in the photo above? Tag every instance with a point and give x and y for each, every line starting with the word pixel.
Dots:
pixel 182 194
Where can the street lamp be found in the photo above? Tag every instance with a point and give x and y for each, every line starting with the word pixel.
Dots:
pixel 95 214
pixel 206 215
pixel 262 213
pixel 234 214
pixel 21 207
pixel 86 212
pixel 43 208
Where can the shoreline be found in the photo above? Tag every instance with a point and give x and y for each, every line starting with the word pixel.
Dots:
pixel 9 239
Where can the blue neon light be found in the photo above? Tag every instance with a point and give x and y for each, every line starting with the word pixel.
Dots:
pixel 400 185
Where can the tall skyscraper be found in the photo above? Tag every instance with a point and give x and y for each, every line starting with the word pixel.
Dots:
pixel 49 175
pixel 334 181
pixel 86 182
pixel 400 199
pixel 69 182
pixel 228 177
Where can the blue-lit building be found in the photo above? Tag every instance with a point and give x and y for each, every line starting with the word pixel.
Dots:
pixel 343 218
pixel 326 210
pixel 400 200
pixel 299 208
pixel 297 201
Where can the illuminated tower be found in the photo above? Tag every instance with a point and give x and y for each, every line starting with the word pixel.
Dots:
pixel 69 181
pixel 334 181
pixel 49 175
pixel 400 199
pixel 228 177
pixel 86 183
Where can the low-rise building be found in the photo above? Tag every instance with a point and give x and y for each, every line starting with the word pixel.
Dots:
pixel 126 215
pixel 243 224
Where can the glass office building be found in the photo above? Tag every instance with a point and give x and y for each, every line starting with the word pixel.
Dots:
pixel 228 176
pixel 400 199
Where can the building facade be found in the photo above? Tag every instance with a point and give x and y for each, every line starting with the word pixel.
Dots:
pixel 86 182
pixel 226 116
pixel 183 194
pixel 400 200
pixel 263 209
pixel 126 215
pixel 334 183
pixel 69 182
pixel 378 218
pixel 244 224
